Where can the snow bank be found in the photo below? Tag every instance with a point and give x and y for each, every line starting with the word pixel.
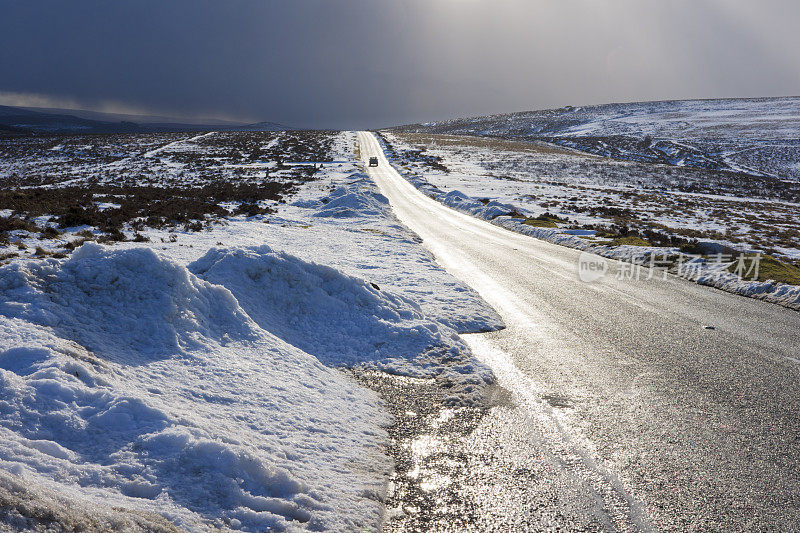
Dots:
pixel 340 319
pixel 487 211
pixel 125 380
pixel 702 272
pixel 770 291
pixel 133 306
pixel 371 243
pixel 355 199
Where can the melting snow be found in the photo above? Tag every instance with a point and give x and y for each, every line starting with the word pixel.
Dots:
pixel 127 379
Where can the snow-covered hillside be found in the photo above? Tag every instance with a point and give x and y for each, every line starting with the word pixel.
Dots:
pixel 758 136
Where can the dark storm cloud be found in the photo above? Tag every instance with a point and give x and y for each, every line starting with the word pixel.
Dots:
pixel 368 63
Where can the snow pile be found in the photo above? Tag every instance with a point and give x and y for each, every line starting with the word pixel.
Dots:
pixel 770 291
pixel 554 235
pixel 127 381
pixel 355 199
pixel 487 211
pixel 340 319
pixel 103 301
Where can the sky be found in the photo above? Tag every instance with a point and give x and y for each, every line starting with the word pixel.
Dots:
pixel 373 63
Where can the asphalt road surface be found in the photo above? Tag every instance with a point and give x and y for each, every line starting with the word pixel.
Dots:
pixel 639 404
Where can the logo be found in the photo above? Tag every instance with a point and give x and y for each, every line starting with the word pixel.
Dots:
pixel 591 267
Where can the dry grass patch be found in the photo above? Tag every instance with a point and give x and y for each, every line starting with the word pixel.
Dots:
pixel 630 240
pixel 771 268
pixel 540 223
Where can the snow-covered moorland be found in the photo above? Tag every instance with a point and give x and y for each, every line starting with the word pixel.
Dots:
pixel 756 136
pixel 195 375
pixel 633 211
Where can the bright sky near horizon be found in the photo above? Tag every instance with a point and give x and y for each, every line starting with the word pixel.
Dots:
pixel 372 63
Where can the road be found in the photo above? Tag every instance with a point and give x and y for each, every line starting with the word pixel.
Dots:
pixel 631 413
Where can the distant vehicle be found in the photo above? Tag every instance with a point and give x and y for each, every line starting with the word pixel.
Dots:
pixel 373 161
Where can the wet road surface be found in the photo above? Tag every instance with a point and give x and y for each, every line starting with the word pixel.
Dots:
pixel 627 410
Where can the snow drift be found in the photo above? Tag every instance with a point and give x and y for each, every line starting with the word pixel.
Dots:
pixel 133 306
pixel 126 380
pixel 341 320
pixel 355 199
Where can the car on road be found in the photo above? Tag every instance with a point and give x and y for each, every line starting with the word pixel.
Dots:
pixel 373 161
